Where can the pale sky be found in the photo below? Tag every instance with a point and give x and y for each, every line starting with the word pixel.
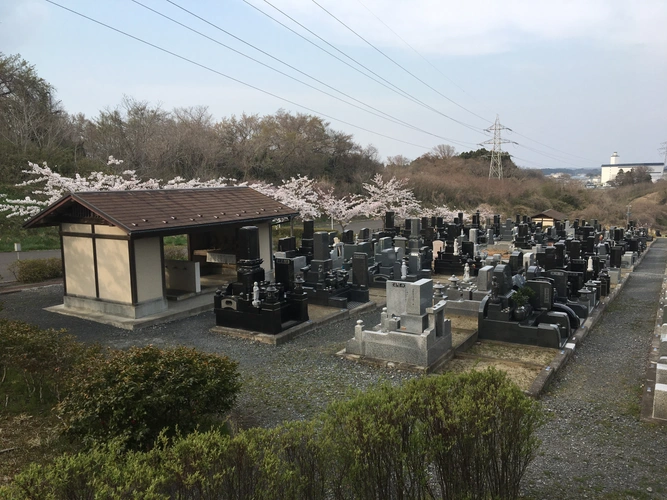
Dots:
pixel 584 77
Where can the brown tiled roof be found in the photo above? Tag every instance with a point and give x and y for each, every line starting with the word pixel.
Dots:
pixel 166 210
pixel 550 214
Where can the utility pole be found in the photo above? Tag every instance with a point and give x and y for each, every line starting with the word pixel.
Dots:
pixel 496 167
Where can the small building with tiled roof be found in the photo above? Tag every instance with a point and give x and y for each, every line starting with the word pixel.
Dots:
pixel 113 250
pixel 548 217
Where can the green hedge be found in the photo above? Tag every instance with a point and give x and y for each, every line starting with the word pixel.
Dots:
pixel 446 436
pixel 36 270
pixel 45 359
pixel 134 395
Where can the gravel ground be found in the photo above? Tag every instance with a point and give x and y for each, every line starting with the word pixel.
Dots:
pixel 295 380
pixel 593 443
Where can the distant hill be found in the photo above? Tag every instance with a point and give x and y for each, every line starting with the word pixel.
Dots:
pixel 572 171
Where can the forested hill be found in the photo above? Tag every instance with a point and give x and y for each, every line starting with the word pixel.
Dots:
pixel 189 142
pixel 160 143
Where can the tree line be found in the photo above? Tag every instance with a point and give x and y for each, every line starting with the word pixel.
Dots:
pixel 189 143
pixel 158 143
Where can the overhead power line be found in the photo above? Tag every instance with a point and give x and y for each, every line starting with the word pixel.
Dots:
pixel 427 61
pixel 454 83
pixel 203 66
pixel 555 149
pixel 379 113
pixel 551 156
pixel 398 90
pixel 400 66
pixel 530 162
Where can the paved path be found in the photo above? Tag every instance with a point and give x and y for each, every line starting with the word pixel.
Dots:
pixel 594 445
pixel 6 258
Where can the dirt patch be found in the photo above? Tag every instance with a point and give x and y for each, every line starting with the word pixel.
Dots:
pixel 503 251
pixel 468 323
pixel 26 439
pixel 458 338
pixel 521 375
pixel 541 356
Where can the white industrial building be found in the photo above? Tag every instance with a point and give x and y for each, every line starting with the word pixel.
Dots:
pixel 610 170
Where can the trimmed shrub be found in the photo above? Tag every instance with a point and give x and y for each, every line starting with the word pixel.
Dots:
pixel 105 471
pixel 480 429
pixel 443 437
pixel 36 270
pixel 133 395
pixel 377 447
pixel 45 358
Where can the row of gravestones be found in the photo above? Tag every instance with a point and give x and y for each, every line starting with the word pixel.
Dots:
pixel 253 303
pixel 537 298
pixel 518 301
pixel 325 272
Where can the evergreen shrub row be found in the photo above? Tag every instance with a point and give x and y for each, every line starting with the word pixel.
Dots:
pixel 446 436
pixel 36 270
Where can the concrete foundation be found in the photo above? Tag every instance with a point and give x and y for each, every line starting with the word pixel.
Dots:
pixel 147 308
pixel 411 331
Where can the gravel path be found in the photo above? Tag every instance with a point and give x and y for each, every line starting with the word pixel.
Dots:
pixel 593 443
pixel 295 380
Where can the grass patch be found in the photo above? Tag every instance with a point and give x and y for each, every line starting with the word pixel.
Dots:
pixel 46 238
pixel 28 428
pixel 179 240
pixel 515 352
pixel 521 375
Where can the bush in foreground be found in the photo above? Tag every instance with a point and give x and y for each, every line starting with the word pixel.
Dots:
pixel 446 436
pixel 45 359
pixel 36 270
pixel 135 395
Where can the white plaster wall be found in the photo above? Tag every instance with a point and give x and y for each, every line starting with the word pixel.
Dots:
pixel 100 229
pixel 148 266
pixel 182 275
pixel 265 248
pixel 79 265
pixel 113 270
pixel 75 228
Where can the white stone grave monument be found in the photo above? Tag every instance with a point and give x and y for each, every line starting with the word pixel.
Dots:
pixel 412 330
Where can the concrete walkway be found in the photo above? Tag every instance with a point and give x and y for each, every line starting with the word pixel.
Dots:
pixel 594 444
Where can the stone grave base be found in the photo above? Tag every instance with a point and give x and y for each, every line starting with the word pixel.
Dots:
pixel 319 316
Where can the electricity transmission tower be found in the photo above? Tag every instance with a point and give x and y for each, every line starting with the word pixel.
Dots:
pixel 496 167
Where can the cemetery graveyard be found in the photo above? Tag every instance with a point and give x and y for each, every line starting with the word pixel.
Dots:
pixel 453 294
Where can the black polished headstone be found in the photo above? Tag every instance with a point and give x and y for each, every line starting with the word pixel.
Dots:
pixel 321 246
pixel 287 244
pixel 308 229
pixel 248 243
pixel 389 220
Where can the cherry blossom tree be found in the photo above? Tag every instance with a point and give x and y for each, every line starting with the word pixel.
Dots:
pixel 50 186
pixel 444 211
pixel 298 193
pixel 390 195
pixel 341 209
